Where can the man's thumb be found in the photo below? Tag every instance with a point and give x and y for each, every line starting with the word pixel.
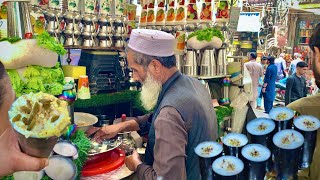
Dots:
pixel 28 163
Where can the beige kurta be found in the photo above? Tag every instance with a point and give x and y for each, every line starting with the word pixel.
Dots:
pixel 256 71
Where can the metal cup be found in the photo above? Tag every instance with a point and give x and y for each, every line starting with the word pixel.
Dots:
pixel 234 150
pixel 36 147
pixel 287 152
pixel 307 126
pixel 255 158
pixel 220 168
pixel 283 123
pixel 207 156
pixel 260 131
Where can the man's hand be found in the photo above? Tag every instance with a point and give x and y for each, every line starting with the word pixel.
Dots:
pixel 13 160
pixel 264 89
pixel 105 132
pixel 133 161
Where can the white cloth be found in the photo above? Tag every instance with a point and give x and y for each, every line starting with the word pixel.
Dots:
pixel 152 42
pixel 293 65
pixel 281 60
pixel 256 71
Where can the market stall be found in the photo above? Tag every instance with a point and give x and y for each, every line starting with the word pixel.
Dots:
pixel 97 88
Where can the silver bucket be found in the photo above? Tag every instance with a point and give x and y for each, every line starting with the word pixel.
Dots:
pixel 19 22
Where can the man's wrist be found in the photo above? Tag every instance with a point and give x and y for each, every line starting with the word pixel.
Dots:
pixel 137 164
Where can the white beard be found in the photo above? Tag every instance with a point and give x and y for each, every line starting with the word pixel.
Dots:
pixel 150 92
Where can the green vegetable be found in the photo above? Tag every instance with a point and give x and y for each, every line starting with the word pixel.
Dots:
pixel 11 40
pixel 222 112
pixel 8 177
pixel 45 178
pixel 48 42
pixel 36 79
pixel 206 34
pixel 17 83
pixel 80 139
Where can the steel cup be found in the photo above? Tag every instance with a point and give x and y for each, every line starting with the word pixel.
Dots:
pixel 208 152
pixel 287 152
pixel 233 143
pixel 36 147
pixel 307 126
pixel 260 131
pixel 255 160
pixel 282 117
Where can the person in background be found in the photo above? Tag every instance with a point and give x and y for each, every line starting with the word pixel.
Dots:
pixel 11 157
pixel 259 99
pixel 183 114
pixel 296 85
pixel 311 106
pixel 281 67
pixel 256 71
pixel 269 85
pixel 294 63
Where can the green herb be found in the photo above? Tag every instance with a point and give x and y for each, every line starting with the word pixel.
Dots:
pixel 11 40
pixel 48 42
pixel 207 34
pixel 80 139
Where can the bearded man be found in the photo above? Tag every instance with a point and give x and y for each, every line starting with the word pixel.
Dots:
pixel 183 114
pixel 311 106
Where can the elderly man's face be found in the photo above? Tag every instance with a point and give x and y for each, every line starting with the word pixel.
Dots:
pixel 139 73
pixel 316 65
pixel 151 87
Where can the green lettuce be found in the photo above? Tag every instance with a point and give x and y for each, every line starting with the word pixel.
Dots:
pixel 17 83
pixel 48 42
pixel 11 40
pixel 207 34
pixel 37 78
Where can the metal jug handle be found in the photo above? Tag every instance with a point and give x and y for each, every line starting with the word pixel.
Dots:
pixel 110 37
pixel 112 28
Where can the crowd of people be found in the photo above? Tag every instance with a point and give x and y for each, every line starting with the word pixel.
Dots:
pixel 273 77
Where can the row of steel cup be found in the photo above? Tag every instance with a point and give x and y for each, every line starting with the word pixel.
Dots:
pixel 283 160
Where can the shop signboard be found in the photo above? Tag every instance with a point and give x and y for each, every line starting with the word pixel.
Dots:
pixel 249 22
pixel 257 1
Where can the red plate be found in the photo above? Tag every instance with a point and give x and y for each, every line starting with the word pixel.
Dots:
pixel 104 162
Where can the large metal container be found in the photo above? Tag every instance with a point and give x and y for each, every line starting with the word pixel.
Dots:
pixel 191 66
pixel 19 22
pixel 208 63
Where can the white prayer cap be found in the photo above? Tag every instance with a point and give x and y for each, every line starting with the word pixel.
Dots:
pixel 282 54
pixel 296 54
pixel 152 42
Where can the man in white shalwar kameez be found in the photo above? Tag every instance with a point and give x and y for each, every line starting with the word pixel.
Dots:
pixel 256 71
